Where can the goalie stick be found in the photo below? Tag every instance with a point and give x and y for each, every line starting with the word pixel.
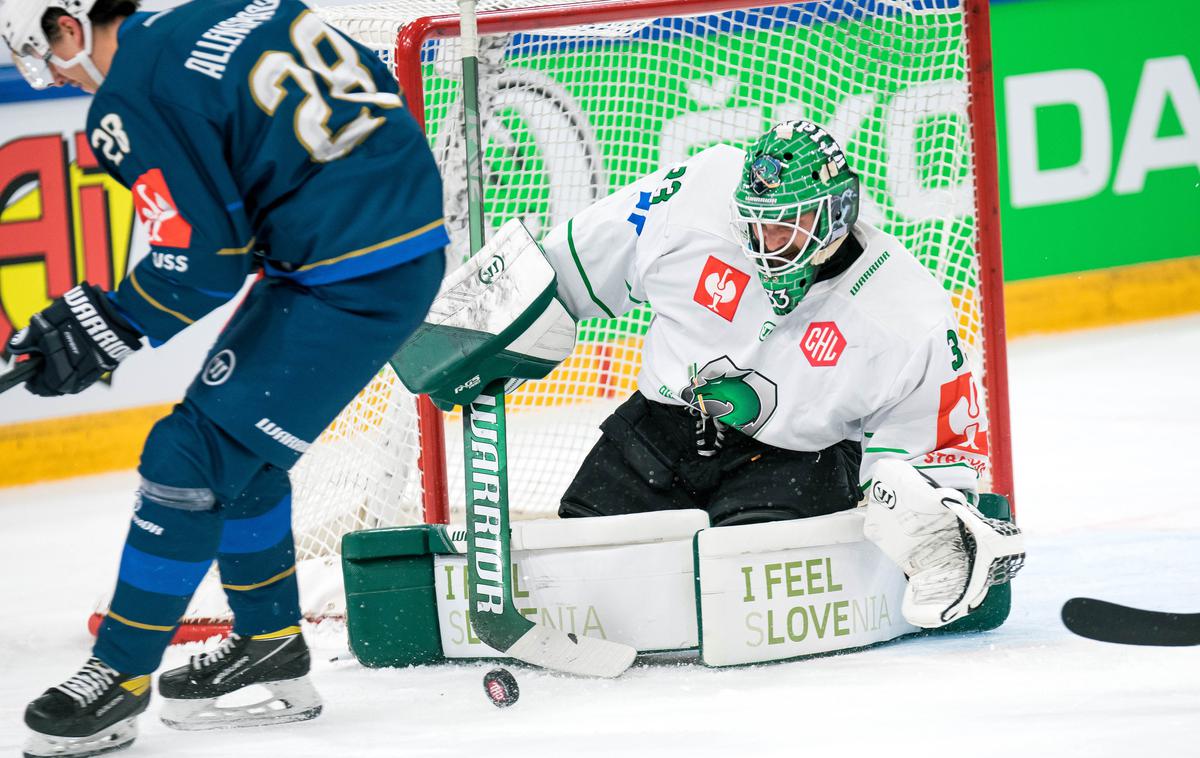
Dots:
pixel 1110 622
pixel 494 617
pixel 493 614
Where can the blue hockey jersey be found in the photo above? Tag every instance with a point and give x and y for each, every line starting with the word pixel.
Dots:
pixel 254 135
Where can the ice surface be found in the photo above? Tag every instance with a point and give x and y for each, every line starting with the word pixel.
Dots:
pixel 1106 491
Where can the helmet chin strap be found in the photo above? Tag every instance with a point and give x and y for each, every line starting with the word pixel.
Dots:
pixel 83 57
pixel 827 252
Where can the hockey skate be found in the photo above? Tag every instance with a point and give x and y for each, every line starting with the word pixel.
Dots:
pixel 93 712
pixel 950 552
pixel 245 681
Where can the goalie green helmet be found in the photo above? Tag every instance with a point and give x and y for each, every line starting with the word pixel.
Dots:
pixel 798 194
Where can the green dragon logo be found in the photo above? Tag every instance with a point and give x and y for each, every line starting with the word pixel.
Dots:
pixel 737 397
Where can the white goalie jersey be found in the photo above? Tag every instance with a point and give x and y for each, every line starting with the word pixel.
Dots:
pixel 871 355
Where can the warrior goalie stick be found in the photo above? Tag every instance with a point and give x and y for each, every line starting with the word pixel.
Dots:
pixel 494 617
pixel 1109 622
pixel 18 374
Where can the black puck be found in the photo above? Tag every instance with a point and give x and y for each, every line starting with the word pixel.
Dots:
pixel 501 687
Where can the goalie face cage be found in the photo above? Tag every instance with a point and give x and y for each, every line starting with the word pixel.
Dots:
pixel 580 99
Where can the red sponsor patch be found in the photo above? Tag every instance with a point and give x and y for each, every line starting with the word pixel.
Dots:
pixel 157 210
pixel 720 288
pixel 823 343
pixel 961 424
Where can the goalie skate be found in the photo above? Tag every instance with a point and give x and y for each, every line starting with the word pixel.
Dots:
pixel 246 681
pixel 950 552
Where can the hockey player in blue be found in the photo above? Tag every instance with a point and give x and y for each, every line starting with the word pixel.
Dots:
pixel 255 139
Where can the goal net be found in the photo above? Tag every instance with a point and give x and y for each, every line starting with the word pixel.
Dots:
pixel 579 100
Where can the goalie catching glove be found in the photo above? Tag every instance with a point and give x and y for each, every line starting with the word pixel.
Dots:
pixel 79 338
pixel 949 551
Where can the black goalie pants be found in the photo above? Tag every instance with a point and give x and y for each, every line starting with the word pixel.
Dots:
pixel 648 460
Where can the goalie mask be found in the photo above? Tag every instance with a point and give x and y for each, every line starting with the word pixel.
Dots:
pixel 793 207
pixel 21 29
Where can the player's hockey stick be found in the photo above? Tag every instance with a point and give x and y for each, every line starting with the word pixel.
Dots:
pixel 1109 622
pixel 19 373
pixel 493 615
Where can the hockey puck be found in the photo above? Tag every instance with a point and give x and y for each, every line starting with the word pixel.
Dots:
pixel 501 687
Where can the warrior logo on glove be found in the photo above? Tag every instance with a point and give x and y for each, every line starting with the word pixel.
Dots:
pixel 97 328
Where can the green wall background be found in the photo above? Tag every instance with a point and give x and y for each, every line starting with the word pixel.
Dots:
pixel 1105 38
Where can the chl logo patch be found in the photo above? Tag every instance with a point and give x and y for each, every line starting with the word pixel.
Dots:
pixel 960 417
pixel 823 343
pixel 219 368
pixel 157 210
pixel 720 288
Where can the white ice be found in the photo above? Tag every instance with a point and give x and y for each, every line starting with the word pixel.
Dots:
pixel 1106 479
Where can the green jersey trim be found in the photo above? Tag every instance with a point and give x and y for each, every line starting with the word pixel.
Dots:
pixel 582 275
pixel 945 465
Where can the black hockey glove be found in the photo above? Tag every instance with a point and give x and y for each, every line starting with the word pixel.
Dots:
pixel 79 338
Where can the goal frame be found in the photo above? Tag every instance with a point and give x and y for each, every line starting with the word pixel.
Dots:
pixel 981 110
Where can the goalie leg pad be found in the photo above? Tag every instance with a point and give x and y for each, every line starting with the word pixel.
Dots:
pixel 950 552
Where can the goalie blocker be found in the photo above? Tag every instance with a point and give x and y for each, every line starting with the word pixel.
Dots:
pixel 495 317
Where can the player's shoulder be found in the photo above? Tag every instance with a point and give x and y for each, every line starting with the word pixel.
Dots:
pixel 710 170
pixel 895 290
pixel 719 158
pixel 707 181
pixel 193 46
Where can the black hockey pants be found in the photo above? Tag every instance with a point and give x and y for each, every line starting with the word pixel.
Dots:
pixel 648 460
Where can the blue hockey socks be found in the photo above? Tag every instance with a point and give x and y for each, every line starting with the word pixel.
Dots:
pixel 257 558
pixel 172 540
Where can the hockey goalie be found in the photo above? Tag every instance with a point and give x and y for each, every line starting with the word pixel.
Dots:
pixel 798 358
pixel 800 363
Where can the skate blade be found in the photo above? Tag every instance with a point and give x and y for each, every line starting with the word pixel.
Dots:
pixel 116 737
pixel 285 701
